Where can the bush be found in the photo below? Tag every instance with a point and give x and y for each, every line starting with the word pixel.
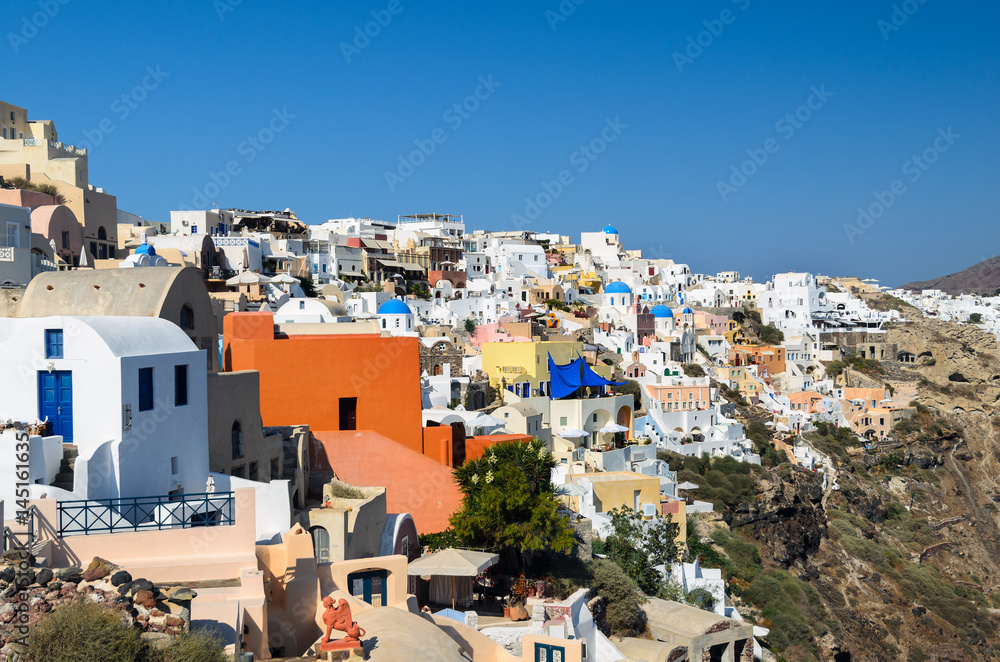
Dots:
pixel 345 491
pixel 194 647
pixel 769 335
pixel 86 632
pixel 834 368
pixel 622 613
pixel 701 599
pixel 469 325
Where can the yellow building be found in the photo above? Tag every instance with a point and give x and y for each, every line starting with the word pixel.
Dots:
pixel 31 149
pixel 525 365
pixel 628 489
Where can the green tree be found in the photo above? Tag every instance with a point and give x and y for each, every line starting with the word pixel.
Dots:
pixel 975 318
pixel 470 325
pixel 509 505
pixel 639 546
pixel 834 368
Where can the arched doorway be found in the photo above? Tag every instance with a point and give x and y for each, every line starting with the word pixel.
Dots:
pixel 321 543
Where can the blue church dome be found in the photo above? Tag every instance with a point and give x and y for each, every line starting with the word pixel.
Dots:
pixel 687 311
pixel 145 249
pixel 617 287
pixel 394 307
pixel 610 229
pixel 661 311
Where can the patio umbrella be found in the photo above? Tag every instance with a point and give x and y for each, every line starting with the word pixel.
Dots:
pixel 687 485
pixel 573 433
pixel 284 279
pixel 612 428
pixel 485 421
pixel 248 278
pixel 452 563
pixel 570 489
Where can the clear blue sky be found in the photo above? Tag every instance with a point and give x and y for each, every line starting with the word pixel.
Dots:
pixel 658 181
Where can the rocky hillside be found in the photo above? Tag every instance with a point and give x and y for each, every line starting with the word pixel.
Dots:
pixel 982 278
pixel 903 561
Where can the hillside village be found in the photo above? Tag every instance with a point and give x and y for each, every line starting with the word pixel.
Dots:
pixel 220 417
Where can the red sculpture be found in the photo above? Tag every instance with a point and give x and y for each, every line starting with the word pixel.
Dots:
pixel 339 618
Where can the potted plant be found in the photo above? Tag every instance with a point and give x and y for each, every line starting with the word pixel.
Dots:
pixel 507 604
pixel 540 588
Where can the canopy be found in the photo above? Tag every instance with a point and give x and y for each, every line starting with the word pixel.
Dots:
pixel 572 433
pixel 566 379
pixel 687 486
pixel 485 421
pixel 248 278
pixel 613 428
pixel 453 562
pixel 284 279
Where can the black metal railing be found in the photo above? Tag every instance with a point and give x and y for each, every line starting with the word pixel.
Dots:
pixel 175 511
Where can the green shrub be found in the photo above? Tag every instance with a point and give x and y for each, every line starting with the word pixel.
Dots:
pixel 794 608
pixel 693 370
pixel 86 632
pixel 744 558
pixel 195 647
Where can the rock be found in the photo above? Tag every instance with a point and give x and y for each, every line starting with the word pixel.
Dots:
pixel 7 574
pixel 120 577
pixel 141 585
pixel 44 576
pixel 180 594
pixel 145 599
pixel 71 575
pixel 174 621
pixel 99 569
pixel 157 640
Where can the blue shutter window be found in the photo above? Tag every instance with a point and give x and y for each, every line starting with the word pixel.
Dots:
pixel 53 343
pixel 145 389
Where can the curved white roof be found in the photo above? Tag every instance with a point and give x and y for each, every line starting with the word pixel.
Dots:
pixel 137 336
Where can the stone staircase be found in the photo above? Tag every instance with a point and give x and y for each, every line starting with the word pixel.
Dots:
pixel 64 479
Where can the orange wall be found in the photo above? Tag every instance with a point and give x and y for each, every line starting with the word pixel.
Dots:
pixel 476 446
pixel 302 378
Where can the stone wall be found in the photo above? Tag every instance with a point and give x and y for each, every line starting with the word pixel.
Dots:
pixel 438 354
pixel 159 611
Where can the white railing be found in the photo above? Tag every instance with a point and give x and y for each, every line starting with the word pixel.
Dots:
pixel 6 254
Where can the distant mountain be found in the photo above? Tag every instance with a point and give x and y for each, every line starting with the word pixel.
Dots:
pixel 982 278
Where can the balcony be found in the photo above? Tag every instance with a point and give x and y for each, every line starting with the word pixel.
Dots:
pixel 182 511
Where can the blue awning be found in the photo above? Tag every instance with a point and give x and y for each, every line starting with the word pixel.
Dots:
pixel 567 379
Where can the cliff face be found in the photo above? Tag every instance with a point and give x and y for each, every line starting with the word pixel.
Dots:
pixel 981 278
pixel 905 558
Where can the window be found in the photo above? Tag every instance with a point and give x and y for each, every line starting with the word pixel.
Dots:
pixel 145 389
pixel 253 471
pixel 13 235
pixel 65 240
pixel 275 469
pixel 302 305
pixel 237 438
pixel 187 317
pixel 5 133
pixel 53 343
pixel 174 468
pixel 237 472
pixel 180 385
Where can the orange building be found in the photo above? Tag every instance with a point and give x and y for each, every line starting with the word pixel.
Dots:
pixel 680 398
pixel 767 356
pixel 806 402
pixel 335 382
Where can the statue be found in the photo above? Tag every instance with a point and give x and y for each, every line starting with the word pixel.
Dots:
pixel 339 618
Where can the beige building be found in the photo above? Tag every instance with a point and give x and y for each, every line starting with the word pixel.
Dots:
pixel 31 149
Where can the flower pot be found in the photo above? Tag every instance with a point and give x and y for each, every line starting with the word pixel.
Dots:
pixel 506 612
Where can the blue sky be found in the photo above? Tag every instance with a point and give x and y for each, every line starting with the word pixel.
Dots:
pixel 269 90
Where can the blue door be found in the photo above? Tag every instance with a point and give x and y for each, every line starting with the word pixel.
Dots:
pixel 549 653
pixel 55 402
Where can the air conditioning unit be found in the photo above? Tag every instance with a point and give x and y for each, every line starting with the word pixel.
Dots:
pixel 649 510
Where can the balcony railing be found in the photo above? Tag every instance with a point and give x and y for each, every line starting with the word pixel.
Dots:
pixel 185 511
